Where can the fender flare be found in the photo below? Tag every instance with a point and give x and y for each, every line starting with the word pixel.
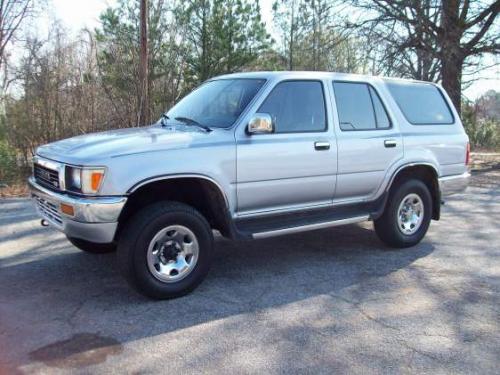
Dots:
pixel 436 198
pixel 166 177
pixel 409 165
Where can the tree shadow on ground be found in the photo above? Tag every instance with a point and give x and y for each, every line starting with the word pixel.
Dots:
pixel 81 293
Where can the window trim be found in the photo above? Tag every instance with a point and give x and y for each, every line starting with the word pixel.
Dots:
pixel 391 122
pixel 322 84
pixel 440 91
pixel 248 106
pixel 375 111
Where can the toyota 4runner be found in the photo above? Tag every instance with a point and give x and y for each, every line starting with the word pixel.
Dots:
pixel 255 155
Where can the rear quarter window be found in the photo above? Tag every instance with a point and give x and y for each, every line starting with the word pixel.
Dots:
pixel 421 103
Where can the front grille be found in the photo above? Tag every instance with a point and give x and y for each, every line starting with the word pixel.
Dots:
pixel 46 177
pixel 48 210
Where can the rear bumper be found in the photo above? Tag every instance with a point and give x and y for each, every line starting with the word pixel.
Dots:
pixel 94 219
pixel 454 184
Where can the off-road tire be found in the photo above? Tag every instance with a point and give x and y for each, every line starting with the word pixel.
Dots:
pixel 386 226
pixel 137 235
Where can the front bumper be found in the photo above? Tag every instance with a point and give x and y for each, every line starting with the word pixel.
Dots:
pixel 94 219
pixel 454 184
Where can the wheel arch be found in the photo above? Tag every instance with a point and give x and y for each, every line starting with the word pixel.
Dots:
pixel 150 180
pixel 425 172
pixel 199 191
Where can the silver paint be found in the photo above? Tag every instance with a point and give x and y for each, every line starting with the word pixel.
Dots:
pixel 262 173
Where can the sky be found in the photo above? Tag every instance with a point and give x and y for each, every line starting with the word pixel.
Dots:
pixel 78 14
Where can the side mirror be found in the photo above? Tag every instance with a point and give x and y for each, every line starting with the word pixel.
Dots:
pixel 260 123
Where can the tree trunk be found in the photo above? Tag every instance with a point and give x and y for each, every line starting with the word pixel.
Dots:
pixel 143 68
pixel 452 57
pixel 292 41
pixel 204 68
pixel 451 73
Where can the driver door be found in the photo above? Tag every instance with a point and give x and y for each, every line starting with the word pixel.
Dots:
pixel 296 165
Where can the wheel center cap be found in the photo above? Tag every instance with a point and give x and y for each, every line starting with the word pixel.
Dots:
pixel 170 250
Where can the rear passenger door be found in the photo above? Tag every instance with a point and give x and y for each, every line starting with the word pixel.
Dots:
pixel 296 165
pixel 368 140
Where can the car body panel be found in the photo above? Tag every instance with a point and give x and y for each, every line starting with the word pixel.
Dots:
pixel 259 174
pixel 276 171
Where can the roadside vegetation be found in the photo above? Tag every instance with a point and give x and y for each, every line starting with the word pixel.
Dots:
pixel 481 120
pixel 59 85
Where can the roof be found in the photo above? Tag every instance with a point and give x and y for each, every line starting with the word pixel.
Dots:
pixel 269 75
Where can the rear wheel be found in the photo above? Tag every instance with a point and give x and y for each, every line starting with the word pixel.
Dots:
pixel 92 247
pixel 165 250
pixel 407 214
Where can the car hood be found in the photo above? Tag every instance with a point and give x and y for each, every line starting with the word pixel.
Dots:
pixel 95 147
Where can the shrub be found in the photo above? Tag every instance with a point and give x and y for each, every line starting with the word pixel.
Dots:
pixel 483 132
pixel 9 169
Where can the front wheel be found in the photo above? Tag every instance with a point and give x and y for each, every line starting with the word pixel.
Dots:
pixel 165 250
pixel 407 215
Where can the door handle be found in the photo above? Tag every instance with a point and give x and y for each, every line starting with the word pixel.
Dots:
pixel 321 146
pixel 388 143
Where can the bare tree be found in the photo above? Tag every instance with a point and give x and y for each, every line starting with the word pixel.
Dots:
pixel 464 32
pixel 12 14
pixel 449 32
pixel 402 48
pixel 287 15
pixel 143 66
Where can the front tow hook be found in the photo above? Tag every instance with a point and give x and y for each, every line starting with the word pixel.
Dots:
pixel 44 223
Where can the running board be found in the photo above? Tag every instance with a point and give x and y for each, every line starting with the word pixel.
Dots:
pixel 301 221
pixel 308 227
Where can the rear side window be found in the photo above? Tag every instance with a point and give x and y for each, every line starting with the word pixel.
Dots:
pixel 421 103
pixel 296 106
pixel 359 107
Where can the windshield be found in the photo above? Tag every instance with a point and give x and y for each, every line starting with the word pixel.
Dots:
pixel 217 103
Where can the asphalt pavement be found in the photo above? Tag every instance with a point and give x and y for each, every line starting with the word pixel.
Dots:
pixel 329 301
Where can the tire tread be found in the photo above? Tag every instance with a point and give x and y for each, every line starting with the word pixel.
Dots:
pixel 131 235
pixel 386 225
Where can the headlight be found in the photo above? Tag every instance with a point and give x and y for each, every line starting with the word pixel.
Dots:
pixel 84 180
pixel 76 178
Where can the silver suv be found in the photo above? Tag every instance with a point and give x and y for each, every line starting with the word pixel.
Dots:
pixel 255 155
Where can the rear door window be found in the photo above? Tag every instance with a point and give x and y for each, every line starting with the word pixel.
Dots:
pixel 359 107
pixel 421 103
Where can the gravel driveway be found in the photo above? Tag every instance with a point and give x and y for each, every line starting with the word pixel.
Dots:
pixel 330 301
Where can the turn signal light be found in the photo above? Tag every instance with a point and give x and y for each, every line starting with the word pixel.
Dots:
pixel 95 180
pixel 67 209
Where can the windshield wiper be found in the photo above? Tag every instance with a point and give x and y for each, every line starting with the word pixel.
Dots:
pixel 190 121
